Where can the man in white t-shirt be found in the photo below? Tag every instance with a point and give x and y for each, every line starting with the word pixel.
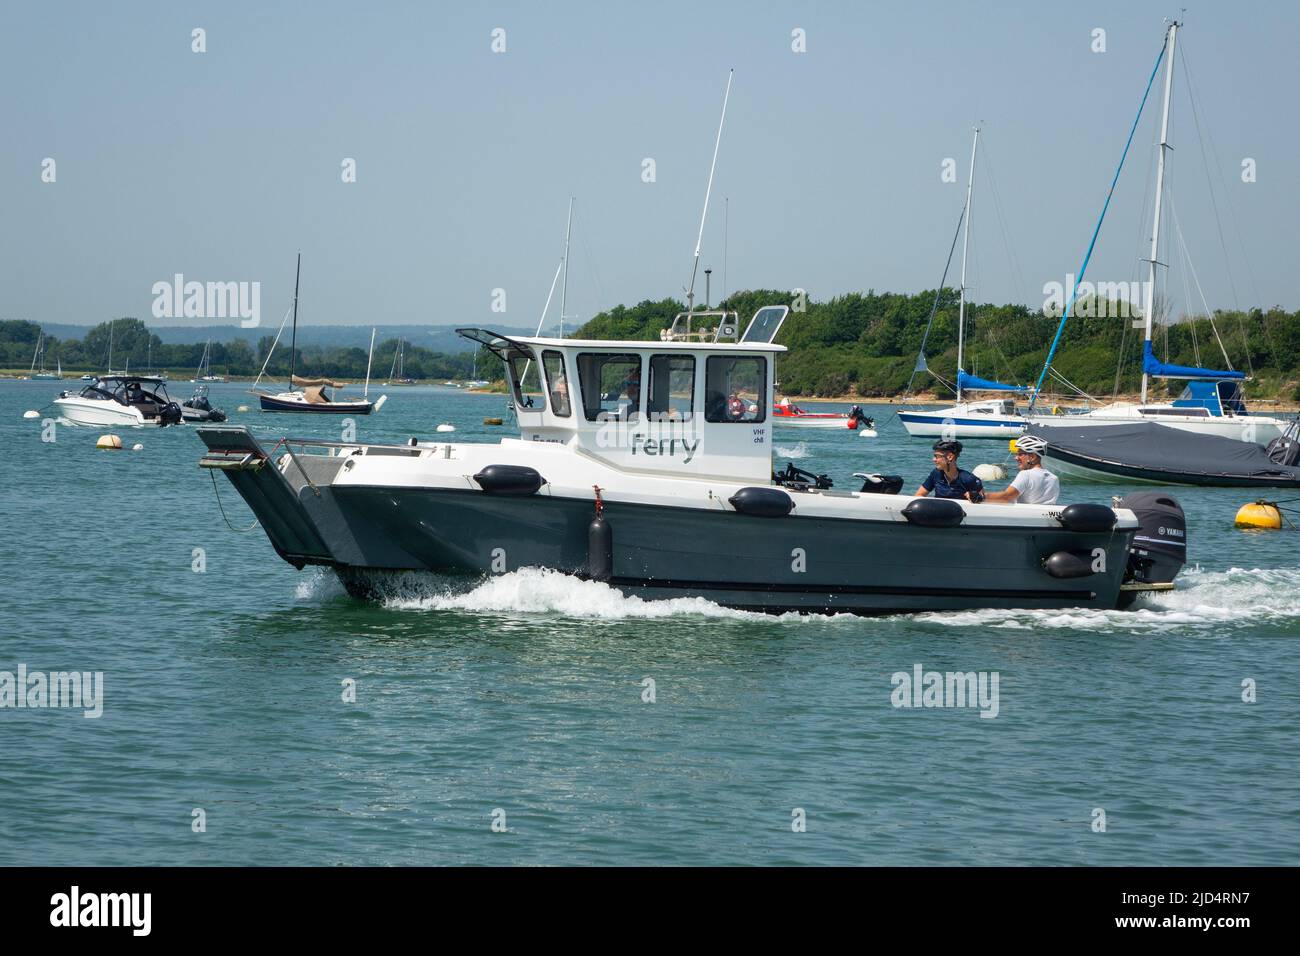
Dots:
pixel 1035 485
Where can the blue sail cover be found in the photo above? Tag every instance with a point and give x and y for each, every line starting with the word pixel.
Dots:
pixel 1152 366
pixel 970 382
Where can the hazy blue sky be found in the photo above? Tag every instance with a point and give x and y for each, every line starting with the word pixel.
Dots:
pixel 222 165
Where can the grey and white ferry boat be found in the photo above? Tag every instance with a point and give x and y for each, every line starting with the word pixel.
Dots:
pixel 648 465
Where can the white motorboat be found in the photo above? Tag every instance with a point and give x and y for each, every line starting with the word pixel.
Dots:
pixel 127 401
pixel 786 412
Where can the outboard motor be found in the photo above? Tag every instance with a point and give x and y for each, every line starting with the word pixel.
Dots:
pixel 1159 548
pixel 874 484
pixel 169 414
pixel 858 417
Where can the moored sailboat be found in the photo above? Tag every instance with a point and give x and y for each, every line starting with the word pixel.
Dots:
pixel 312 395
pixel 39 359
pixel 1212 403
pixel 990 418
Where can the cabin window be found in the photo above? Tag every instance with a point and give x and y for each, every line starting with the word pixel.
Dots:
pixel 611 385
pixel 671 395
pixel 526 380
pixel 1188 412
pixel 557 383
pixel 735 389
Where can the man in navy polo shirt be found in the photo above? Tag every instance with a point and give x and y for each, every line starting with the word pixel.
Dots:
pixel 947 480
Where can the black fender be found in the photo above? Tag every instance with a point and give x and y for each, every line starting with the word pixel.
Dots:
pixel 1087 518
pixel 762 502
pixel 509 480
pixel 1069 564
pixel 935 513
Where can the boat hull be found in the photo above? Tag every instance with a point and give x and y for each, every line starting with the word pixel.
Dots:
pixel 270 403
pixel 1259 429
pixel 1081 467
pixel 662 553
pixel 101 414
pixel 944 424
pixel 812 421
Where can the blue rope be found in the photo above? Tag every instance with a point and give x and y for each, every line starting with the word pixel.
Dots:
pixel 1097 230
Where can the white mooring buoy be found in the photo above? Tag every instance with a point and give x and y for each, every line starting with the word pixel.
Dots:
pixel 446 428
pixel 31 413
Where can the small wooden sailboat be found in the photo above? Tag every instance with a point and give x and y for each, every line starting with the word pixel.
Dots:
pixel 312 395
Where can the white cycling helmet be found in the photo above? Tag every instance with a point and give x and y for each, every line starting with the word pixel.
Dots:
pixel 1031 444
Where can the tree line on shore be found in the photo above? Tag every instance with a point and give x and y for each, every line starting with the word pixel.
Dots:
pixel 135 347
pixel 863 344
pixel 867 344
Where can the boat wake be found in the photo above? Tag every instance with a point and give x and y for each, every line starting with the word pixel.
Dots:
pixel 541 591
pixel 1211 601
pixel 798 451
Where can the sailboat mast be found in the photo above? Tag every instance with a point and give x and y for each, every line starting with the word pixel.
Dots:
pixel 965 245
pixel 1160 186
pixel 370 356
pixel 293 340
pixel 564 286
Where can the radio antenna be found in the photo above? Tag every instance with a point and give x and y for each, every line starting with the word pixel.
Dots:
pixel 695 264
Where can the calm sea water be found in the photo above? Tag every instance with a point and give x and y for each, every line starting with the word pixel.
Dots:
pixel 523 695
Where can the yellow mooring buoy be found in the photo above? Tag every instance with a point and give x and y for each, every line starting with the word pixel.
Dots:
pixel 111 442
pixel 1259 514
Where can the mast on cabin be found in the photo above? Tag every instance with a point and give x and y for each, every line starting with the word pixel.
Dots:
pixel 965 245
pixel 564 286
pixel 695 265
pixel 1160 185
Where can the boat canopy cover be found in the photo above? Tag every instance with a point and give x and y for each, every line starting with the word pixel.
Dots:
pixel 1153 366
pixel 974 383
pixel 316 382
pixel 1153 447
pixel 1218 397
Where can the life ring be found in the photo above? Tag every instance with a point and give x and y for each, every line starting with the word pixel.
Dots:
pixel 735 408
